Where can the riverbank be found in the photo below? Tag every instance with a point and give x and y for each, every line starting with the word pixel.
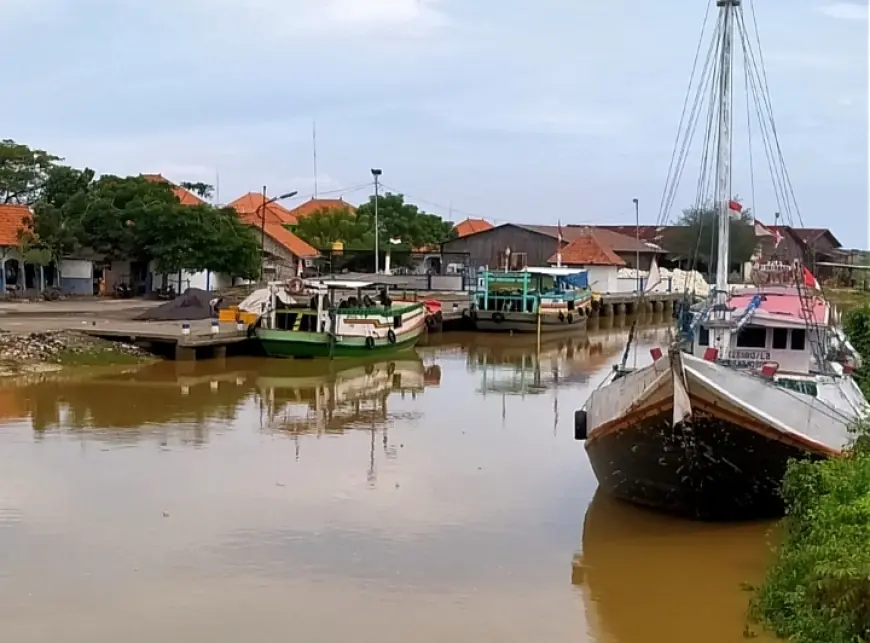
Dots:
pixel 38 352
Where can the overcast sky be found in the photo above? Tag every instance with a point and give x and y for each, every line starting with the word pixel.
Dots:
pixel 514 111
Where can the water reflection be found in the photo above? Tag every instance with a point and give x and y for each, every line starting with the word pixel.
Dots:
pixel 648 578
pixel 248 499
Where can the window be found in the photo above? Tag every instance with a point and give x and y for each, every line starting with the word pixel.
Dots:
pixel 752 337
pixel 780 339
pixel 798 339
pixel 703 336
pixel 519 261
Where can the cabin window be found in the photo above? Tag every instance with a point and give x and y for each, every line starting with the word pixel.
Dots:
pixel 798 339
pixel 397 321
pixel 308 323
pixel 752 337
pixel 285 321
pixel 780 339
pixel 703 336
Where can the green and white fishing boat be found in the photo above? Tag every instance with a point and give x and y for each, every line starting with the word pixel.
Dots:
pixel 314 325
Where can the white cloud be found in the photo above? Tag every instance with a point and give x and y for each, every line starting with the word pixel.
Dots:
pixel 845 11
pixel 315 18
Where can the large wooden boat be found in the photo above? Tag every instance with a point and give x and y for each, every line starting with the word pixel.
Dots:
pixel 762 376
pixel 552 300
pixel 357 326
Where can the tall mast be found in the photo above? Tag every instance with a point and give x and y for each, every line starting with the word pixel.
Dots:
pixel 723 164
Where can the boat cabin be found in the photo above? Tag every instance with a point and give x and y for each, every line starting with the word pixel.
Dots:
pixel 531 289
pixel 768 328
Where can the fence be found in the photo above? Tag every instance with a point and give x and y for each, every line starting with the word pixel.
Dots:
pixel 404 269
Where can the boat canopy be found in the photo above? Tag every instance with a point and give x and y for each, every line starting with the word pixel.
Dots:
pixel 555 272
pixel 340 284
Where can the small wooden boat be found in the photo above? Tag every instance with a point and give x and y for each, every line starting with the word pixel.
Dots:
pixel 357 326
pixel 550 299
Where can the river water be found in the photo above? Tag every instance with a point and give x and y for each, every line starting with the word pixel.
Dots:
pixel 436 497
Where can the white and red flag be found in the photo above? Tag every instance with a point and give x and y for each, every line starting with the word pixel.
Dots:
pixel 810 280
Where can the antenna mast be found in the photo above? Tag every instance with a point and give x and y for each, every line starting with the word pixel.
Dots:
pixel 314 147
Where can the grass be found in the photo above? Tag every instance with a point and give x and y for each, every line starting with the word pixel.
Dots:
pixel 99 356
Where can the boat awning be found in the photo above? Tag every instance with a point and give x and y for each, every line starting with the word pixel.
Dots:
pixel 340 284
pixel 555 272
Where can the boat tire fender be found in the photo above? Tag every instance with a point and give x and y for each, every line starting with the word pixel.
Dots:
pixel 561 316
pixel 391 336
pixel 370 342
pixel 438 317
pixel 580 430
pixel 498 317
pixel 430 321
pixel 570 318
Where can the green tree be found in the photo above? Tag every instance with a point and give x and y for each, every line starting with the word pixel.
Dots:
pixel 228 245
pixel 202 190
pixel 326 226
pixel 406 222
pixel 697 236
pixel 23 172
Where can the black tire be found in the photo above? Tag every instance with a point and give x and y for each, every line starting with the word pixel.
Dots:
pixel 570 318
pixel 430 321
pixel 561 316
pixel 391 336
pixel 370 342
pixel 498 317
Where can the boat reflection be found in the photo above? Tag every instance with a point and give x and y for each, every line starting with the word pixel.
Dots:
pixel 648 578
pixel 331 397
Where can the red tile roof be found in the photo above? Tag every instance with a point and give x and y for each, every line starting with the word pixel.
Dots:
pixel 186 197
pixel 613 240
pixel 315 205
pixel 252 204
pixel 282 236
pixel 12 221
pixel 470 226
pixel 588 248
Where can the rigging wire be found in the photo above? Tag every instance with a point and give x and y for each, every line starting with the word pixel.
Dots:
pixel 662 209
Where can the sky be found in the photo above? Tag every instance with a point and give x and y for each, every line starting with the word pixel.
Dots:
pixel 557 110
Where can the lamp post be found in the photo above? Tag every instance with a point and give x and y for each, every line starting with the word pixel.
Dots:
pixel 376 173
pixel 637 239
pixel 262 209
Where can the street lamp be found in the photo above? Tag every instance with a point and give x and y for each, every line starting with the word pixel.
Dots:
pixel 376 173
pixel 262 208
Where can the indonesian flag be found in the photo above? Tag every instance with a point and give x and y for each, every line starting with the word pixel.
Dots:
pixel 735 208
pixel 809 280
pixel 770 231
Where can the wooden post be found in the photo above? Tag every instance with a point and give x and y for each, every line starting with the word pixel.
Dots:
pixel 539 329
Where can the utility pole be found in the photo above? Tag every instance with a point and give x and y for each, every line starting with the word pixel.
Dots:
pixel 637 239
pixel 376 173
pixel 263 236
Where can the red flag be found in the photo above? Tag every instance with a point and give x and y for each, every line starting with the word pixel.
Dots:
pixel 809 280
pixel 735 207
pixel 777 236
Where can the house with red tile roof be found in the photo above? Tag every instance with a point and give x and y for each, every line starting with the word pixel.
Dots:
pixel 315 205
pixel 470 226
pixel 286 253
pixel 185 197
pixel 590 248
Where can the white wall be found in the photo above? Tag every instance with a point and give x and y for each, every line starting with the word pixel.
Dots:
pixel 202 280
pixel 76 269
pixel 602 278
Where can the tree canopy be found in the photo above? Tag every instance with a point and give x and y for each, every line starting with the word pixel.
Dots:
pixel 397 220
pixel 202 190
pixel 23 172
pixel 697 233
pixel 121 218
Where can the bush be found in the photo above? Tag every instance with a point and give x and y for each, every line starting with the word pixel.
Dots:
pixel 818 589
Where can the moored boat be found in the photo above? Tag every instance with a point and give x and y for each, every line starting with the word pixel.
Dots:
pixel 552 300
pixel 357 326
pixel 762 376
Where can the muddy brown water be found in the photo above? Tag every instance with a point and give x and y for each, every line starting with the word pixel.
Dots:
pixel 436 497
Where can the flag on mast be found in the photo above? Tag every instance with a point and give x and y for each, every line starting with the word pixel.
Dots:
pixel 735 207
pixel 559 246
pixel 810 280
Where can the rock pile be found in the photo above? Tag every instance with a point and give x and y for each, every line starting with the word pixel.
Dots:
pixel 54 347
